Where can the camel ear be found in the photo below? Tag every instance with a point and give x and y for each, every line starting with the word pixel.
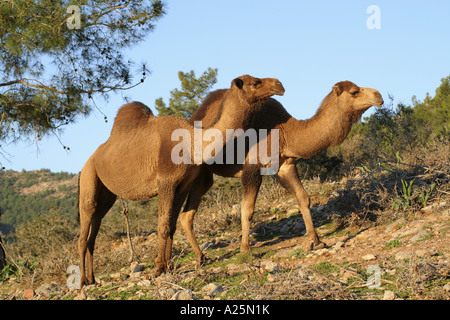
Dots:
pixel 338 89
pixel 238 82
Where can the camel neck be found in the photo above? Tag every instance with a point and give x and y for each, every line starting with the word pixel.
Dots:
pixel 233 113
pixel 306 138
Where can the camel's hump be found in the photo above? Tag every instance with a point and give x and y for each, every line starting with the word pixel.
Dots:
pixel 132 115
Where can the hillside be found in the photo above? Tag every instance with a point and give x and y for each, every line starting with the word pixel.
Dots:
pixel 26 194
pixel 375 250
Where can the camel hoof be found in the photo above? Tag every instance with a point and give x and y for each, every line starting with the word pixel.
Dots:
pixel 318 246
pixel 311 245
pixel 87 283
pixel 158 272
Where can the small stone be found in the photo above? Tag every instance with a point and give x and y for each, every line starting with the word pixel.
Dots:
pixel 369 257
pixel 402 255
pixel 422 253
pixel 323 252
pixel 145 283
pixel 212 289
pixel 299 226
pixel 292 211
pixel 234 268
pixel 115 275
pixel 427 210
pixel 206 245
pixel 167 293
pixel 388 295
pixel 391 272
pixel 396 224
pixel 135 275
pixel 28 294
pixel 81 296
pixel 270 266
pixel 285 229
pixel 138 268
pixel 420 235
pixel 339 244
pixel 270 278
pixel 447 287
pixel 183 295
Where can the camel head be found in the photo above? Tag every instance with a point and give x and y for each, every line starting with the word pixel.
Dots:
pixel 357 99
pixel 254 89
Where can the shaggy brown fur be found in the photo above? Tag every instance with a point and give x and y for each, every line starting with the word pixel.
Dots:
pixel 135 163
pixel 340 109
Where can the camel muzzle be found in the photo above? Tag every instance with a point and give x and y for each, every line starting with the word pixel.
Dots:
pixel 377 100
pixel 279 89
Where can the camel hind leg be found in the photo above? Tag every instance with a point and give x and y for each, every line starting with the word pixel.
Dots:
pixel 198 188
pixel 251 182
pixel 178 201
pixel 94 202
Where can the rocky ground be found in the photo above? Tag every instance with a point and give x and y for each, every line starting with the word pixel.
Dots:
pixel 405 258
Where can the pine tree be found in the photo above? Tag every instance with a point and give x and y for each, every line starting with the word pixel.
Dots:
pixel 436 111
pixel 184 102
pixel 56 56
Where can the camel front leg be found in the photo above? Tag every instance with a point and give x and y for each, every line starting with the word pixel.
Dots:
pixel 251 182
pixel 166 196
pixel 85 226
pixel 289 179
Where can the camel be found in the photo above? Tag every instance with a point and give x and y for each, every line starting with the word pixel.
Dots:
pixel 136 163
pixel 340 109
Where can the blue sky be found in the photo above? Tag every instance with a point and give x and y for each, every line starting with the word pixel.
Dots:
pixel 308 45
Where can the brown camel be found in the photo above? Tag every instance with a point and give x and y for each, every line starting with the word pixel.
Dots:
pixel 340 109
pixel 136 163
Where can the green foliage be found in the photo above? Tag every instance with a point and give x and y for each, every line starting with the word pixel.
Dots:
pixel 17 206
pixel 436 111
pixel 410 195
pixel 324 268
pixel 423 196
pixel 16 269
pixel 44 233
pixel 395 243
pixel 322 165
pixel 390 131
pixel 184 102
pixel 36 99
pixel 10 270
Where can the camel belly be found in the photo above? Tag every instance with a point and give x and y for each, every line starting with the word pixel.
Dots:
pixel 127 172
pixel 226 170
pixel 137 186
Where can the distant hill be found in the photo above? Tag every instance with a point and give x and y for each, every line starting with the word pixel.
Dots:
pixel 29 193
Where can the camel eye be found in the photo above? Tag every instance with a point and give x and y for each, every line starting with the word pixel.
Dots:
pixel 256 83
pixel 354 93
